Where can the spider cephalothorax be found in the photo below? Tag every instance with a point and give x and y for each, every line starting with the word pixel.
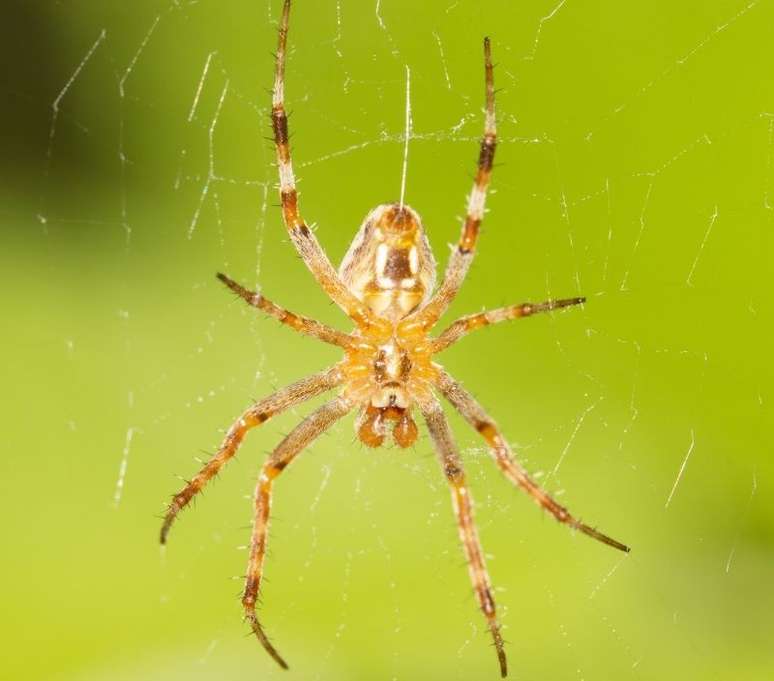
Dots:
pixel 391 269
pixel 385 285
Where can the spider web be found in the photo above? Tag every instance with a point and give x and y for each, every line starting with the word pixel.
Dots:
pixel 635 157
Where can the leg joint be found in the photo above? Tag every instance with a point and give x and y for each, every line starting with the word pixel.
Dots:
pixel 487 153
pixel 279 124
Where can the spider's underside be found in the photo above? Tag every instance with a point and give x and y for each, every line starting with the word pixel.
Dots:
pixel 385 285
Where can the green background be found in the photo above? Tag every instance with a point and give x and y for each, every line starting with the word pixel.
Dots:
pixel 635 167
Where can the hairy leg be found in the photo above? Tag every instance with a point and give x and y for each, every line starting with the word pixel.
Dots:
pixel 290 396
pixel 308 327
pixel 305 242
pixel 463 253
pixel 473 413
pixel 463 507
pixel 299 438
pixel 463 326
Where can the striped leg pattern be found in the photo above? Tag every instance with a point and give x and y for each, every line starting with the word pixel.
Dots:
pixel 304 325
pixel 259 413
pixel 463 254
pixel 463 326
pixel 300 437
pixel 305 242
pixel 463 507
pixel 500 450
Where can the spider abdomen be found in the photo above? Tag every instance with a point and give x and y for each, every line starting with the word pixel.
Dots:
pixel 389 265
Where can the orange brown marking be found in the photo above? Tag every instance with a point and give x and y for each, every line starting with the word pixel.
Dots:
pixel 487 430
pixel 306 245
pixel 469 235
pixel 461 258
pixel 293 221
pixel 405 432
pixel 254 416
pixel 279 124
pixel 390 265
pixel 299 438
pixel 486 159
pixel 227 450
pixel 463 508
pixel 461 327
pixel 471 411
pixel 310 327
pixel 371 427
pixel 254 572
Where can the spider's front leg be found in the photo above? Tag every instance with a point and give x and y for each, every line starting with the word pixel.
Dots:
pixel 300 437
pixel 305 242
pixel 462 256
pixel 463 506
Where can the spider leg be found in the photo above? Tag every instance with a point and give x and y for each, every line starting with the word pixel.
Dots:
pixel 474 414
pixel 463 507
pixel 299 438
pixel 463 253
pixel 464 325
pixel 305 242
pixel 281 400
pixel 309 327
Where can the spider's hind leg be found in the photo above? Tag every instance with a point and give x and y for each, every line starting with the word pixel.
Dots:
pixel 259 413
pixel 463 506
pixel 500 450
pixel 300 437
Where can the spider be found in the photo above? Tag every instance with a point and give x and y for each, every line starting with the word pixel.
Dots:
pixel 385 285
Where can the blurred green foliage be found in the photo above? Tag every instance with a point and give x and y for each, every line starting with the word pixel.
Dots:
pixel 635 168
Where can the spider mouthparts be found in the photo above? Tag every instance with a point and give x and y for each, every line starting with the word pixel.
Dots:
pixel 372 426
